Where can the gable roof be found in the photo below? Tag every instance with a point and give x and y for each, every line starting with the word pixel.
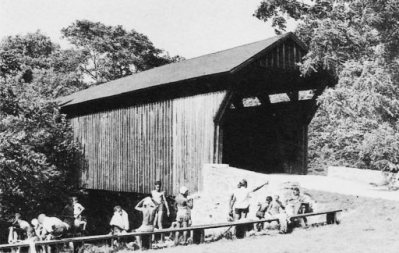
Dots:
pixel 211 64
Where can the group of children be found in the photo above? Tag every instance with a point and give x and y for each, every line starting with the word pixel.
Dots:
pixel 153 211
pixel 48 228
pixel 273 207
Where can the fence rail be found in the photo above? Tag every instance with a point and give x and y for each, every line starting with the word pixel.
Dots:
pixel 197 233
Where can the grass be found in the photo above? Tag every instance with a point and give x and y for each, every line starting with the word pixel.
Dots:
pixel 367 225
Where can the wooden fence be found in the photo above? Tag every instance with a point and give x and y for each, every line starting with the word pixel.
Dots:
pixel 196 233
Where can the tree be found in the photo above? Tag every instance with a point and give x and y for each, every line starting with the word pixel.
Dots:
pixel 38 156
pixel 34 56
pixel 357 41
pixel 112 52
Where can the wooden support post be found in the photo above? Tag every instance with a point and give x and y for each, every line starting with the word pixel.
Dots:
pixel 145 242
pixel 331 218
pixel 198 236
pixel 264 99
pixel 241 231
pixel 293 95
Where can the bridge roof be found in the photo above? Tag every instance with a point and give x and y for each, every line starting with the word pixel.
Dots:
pixel 222 62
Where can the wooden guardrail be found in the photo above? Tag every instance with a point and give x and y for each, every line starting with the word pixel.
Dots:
pixel 197 233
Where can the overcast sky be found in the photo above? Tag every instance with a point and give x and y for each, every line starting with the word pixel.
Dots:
pixel 186 27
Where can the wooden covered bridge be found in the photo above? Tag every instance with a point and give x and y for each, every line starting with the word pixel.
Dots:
pixel 247 106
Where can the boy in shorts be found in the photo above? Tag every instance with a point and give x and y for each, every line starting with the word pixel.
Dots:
pixel 239 200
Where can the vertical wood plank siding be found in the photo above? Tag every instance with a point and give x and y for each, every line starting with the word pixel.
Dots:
pixel 193 131
pixel 285 56
pixel 127 149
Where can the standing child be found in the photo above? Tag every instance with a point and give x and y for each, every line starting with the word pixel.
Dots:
pixel 77 214
pixel 148 208
pixel 184 204
pixel 159 199
pixel 240 199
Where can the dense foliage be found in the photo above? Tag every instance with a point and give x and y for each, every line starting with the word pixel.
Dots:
pixel 358 42
pixel 38 156
pixel 37 152
pixel 111 52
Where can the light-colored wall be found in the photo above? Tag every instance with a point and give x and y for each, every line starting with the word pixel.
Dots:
pixel 360 175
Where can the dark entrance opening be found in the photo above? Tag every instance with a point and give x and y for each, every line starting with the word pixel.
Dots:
pixel 250 140
pixel 269 139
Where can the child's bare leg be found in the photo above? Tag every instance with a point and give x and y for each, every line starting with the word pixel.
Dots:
pixel 159 220
pixel 184 225
pixel 11 235
pixel 138 240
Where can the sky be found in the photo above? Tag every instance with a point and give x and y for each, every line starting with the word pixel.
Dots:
pixel 188 28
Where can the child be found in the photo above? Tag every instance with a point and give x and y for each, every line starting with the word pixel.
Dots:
pixel 264 208
pixel 53 228
pixel 184 204
pixel 148 208
pixel 277 206
pixel 240 199
pixel 263 211
pixel 159 199
pixel 20 230
pixel 77 214
pixel 120 221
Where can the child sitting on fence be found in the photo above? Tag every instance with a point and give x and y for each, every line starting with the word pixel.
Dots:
pixel 119 222
pixel 263 212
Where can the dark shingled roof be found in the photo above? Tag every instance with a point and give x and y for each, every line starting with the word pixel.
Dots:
pixel 216 63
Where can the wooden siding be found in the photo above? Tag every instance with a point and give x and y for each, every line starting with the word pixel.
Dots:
pixel 285 56
pixel 193 142
pixel 127 149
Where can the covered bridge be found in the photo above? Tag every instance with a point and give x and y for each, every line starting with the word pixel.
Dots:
pixel 247 106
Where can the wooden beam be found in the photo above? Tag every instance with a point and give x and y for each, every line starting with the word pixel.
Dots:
pixel 223 107
pixel 264 99
pixel 293 95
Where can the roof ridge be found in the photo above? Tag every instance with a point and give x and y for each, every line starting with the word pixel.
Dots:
pixel 243 45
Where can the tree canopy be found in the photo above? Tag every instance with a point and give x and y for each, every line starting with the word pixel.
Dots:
pixel 357 41
pixel 111 52
pixel 38 155
pixel 37 152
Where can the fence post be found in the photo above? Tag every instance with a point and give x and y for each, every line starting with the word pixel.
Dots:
pixel 241 229
pixel 146 242
pixel 331 218
pixel 198 236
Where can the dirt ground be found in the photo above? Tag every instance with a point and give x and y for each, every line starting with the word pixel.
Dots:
pixel 367 225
